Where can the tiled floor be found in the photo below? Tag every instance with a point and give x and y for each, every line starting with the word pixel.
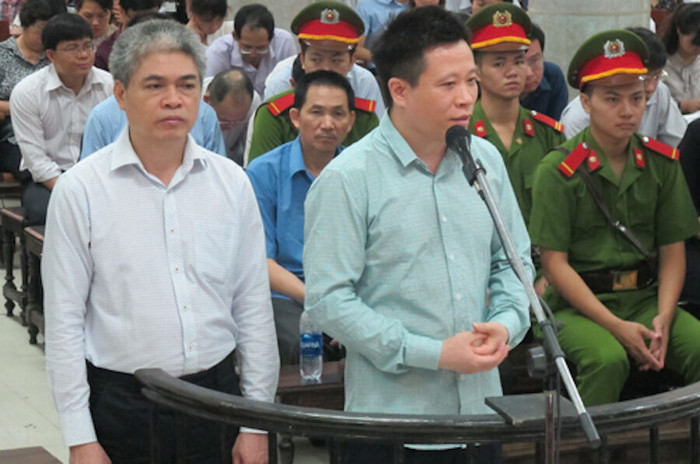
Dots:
pixel 27 414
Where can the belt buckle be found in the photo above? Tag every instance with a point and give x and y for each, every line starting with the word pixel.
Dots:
pixel 625 280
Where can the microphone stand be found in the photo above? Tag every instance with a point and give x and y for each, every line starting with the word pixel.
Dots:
pixel 475 174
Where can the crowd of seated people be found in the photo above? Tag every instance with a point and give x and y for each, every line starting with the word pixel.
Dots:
pixel 283 100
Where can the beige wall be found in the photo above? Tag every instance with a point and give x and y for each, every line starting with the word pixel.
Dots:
pixel 567 23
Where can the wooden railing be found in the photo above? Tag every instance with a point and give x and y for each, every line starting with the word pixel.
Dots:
pixel 646 413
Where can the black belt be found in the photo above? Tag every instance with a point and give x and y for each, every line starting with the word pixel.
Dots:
pixel 616 280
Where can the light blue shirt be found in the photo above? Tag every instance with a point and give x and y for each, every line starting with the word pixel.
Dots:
pixel 139 274
pixel 106 121
pixel 397 259
pixel 377 14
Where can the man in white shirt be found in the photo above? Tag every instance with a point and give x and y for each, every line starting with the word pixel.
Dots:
pixel 155 257
pixel 255 46
pixel 49 108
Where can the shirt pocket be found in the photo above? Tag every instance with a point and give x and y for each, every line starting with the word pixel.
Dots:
pixel 215 246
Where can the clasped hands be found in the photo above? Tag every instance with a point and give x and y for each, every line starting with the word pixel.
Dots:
pixel 479 350
pixel 649 355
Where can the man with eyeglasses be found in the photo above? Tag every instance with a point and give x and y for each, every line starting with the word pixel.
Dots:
pixel 49 108
pixel 545 85
pixel 662 119
pixel 255 46
pixel 234 100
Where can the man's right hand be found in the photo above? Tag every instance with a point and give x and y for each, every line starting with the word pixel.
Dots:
pixel 633 336
pixel 88 453
pixel 458 354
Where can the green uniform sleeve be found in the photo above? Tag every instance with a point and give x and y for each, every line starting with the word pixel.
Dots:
pixel 365 121
pixel 269 132
pixel 553 206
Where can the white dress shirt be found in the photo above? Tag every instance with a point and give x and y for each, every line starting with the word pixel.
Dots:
pixel 138 274
pixel 223 54
pixel 662 119
pixel 363 83
pixel 49 118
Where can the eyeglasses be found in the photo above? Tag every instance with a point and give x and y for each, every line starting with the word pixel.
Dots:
pixel 656 77
pixel 75 50
pixel 100 16
pixel 248 50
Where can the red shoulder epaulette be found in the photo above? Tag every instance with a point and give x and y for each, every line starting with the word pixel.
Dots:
pixel 661 148
pixel 480 129
pixel 574 159
pixel 281 104
pixel 365 105
pixel 551 122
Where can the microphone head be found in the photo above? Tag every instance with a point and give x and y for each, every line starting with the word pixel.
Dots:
pixel 456 133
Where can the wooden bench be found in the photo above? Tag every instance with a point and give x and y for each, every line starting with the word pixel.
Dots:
pixel 34 243
pixel 11 220
pixel 329 394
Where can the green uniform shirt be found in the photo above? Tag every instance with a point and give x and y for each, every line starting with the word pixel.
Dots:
pixel 526 150
pixel 652 201
pixel 270 131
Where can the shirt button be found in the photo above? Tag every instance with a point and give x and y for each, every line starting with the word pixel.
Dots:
pixel 451 257
pixel 172 231
pixel 177 269
pixel 190 347
pixel 443 218
pixel 185 308
pixel 458 296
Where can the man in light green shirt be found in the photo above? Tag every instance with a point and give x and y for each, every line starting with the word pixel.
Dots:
pixel 400 252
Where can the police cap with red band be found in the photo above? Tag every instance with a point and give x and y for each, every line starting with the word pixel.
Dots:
pixel 502 23
pixel 328 20
pixel 608 54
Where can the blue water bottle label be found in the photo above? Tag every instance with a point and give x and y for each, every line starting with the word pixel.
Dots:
pixel 311 345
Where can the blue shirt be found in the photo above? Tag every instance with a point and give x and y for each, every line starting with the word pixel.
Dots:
pixel 377 14
pixel 397 259
pixel 281 182
pixel 106 121
pixel 551 96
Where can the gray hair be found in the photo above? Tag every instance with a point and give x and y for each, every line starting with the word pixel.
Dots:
pixel 156 36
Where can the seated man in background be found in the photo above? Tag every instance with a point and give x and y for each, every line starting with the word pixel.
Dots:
pixel 376 14
pixel 206 18
pixel 328 32
pixel 106 120
pixel 545 87
pixel 154 257
pixel 50 106
pixel 234 100
pixel 615 289
pixel 323 113
pixel 662 119
pixel 255 46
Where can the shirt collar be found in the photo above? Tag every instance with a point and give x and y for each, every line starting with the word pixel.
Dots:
pixel 296 158
pixel 54 81
pixel 397 144
pixel 123 154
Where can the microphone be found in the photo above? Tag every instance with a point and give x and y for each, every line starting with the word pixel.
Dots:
pixel 458 139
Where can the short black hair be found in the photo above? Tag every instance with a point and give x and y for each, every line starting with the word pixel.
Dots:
pixel 104 4
pixel 209 8
pixel 685 18
pixel 304 45
pixel 64 27
pixel 322 78
pixel 657 50
pixel 255 16
pixel 536 33
pixel 37 10
pixel 139 5
pixel 400 50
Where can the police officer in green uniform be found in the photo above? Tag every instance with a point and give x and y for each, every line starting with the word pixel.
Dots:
pixel 615 293
pixel 328 32
pixel 500 41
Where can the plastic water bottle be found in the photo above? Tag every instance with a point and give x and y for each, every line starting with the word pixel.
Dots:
pixel 310 351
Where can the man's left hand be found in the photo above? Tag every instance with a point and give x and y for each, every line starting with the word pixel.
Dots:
pixel 496 336
pixel 250 448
